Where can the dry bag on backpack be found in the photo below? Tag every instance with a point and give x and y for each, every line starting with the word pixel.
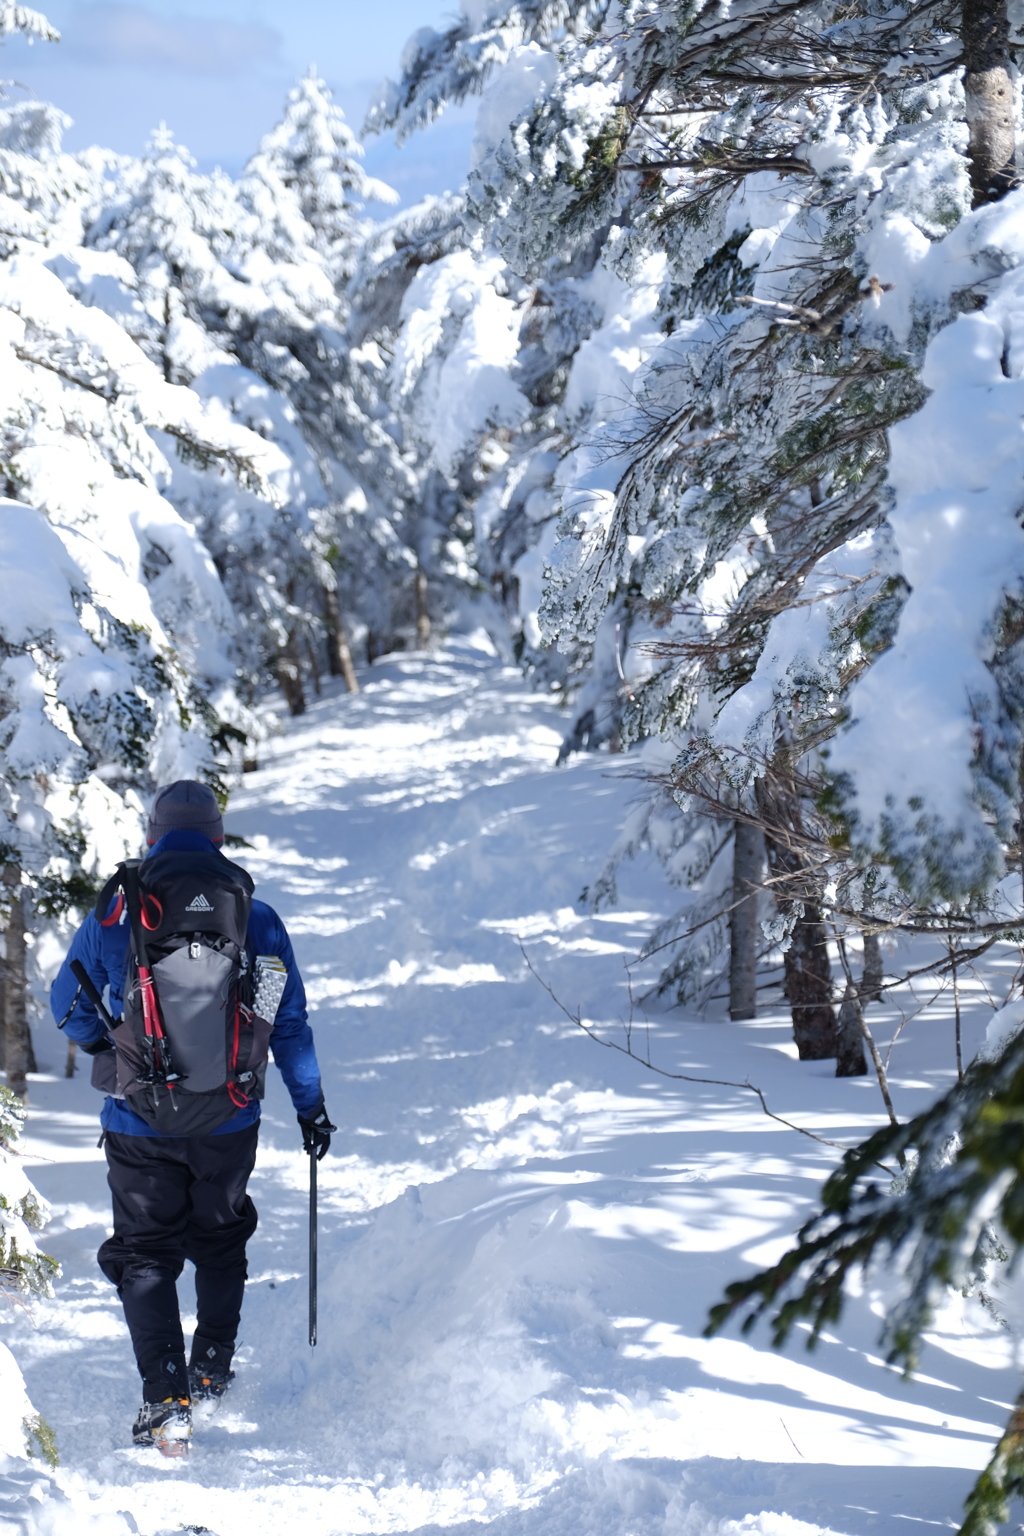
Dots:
pixel 190 1048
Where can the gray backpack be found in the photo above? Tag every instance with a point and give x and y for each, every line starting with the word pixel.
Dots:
pixel 190 1049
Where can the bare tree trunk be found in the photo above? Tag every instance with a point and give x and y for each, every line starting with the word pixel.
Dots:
pixel 808 983
pixel 314 665
pixel 850 1058
pixel 167 336
pixel 72 1059
pixel 422 614
pixel 19 1055
pixel 988 90
pixel 289 675
pixel 808 970
pixel 871 981
pixel 339 657
pixel 747 875
pixel 3 1013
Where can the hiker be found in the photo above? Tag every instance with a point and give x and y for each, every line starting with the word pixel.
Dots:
pixel 195 969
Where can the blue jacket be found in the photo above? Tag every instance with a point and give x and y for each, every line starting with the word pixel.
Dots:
pixel 104 953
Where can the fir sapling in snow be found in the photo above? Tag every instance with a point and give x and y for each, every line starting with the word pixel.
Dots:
pixel 24 1272
pixel 23 1212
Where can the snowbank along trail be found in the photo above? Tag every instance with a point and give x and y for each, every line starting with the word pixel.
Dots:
pixel 521 1233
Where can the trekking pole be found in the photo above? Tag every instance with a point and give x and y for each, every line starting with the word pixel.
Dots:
pixel 162 1074
pixel 312 1247
pixel 94 995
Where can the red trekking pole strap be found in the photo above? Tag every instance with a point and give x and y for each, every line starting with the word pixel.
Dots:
pixel 237 1094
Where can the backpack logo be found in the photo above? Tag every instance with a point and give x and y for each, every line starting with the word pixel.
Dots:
pixel 199 904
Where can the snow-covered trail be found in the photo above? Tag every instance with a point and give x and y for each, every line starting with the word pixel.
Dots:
pixel 520 1233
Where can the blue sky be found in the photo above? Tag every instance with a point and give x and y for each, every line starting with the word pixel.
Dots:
pixel 217 71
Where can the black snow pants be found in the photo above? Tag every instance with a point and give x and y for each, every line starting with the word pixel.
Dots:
pixel 178 1198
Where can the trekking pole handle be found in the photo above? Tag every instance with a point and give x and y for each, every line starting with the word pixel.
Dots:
pixel 93 993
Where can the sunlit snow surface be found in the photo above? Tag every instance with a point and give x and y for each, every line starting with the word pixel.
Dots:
pixel 521 1233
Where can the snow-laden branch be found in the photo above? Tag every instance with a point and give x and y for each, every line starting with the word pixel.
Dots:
pixel 88 349
pixel 21 18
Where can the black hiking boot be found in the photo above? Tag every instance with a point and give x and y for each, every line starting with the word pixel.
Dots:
pixel 209 1371
pixel 167 1425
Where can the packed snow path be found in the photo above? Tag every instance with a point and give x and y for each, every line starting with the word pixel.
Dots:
pixel 520 1233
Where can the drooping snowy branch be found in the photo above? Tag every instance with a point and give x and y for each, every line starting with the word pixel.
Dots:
pixel 21 18
pixel 444 68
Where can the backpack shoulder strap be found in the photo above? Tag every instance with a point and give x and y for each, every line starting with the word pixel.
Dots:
pixel 124 886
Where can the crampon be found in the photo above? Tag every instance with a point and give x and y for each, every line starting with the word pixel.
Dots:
pixel 167 1425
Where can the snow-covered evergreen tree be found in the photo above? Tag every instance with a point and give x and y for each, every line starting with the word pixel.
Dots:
pixel 306 176
pixel 823 205
pixel 205 296
pixel 77 406
pixel 117 643
pixel 802 194
pixel 237 291
pixel 497 374
pixel 818 489
pixel 42 189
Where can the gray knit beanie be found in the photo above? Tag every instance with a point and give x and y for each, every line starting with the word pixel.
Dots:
pixel 186 806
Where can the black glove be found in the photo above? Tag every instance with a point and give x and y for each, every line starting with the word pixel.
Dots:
pixel 316 1131
pixel 97 1047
